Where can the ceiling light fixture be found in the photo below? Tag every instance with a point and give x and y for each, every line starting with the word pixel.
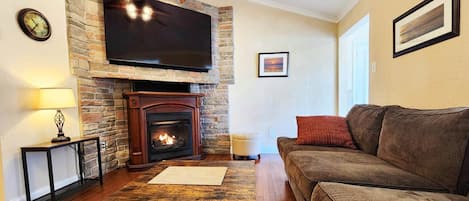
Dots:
pixel 147 12
pixel 131 10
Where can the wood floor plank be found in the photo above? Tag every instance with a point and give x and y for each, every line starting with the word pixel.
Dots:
pixel 271 181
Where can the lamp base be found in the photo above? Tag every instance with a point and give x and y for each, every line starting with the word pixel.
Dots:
pixel 60 138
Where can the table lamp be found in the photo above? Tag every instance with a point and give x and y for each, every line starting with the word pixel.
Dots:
pixel 57 98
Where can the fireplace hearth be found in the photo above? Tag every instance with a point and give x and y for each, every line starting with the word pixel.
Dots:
pixel 162 125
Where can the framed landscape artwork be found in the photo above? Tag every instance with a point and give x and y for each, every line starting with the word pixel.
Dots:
pixel 428 23
pixel 273 64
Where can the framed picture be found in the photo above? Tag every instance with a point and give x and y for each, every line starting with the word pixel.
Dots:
pixel 273 64
pixel 428 23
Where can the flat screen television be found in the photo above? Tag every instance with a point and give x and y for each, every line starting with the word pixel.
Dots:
pixel 173 37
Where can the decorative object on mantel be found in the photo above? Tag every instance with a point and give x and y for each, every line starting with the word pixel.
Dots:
pixel 273 64
pixel 34 24
pixel 57 98
pixel 428 23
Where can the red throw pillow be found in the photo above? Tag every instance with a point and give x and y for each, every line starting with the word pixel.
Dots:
pixel 324 130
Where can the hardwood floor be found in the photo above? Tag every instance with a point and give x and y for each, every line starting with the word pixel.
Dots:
pixel 271 181
pixel 113 181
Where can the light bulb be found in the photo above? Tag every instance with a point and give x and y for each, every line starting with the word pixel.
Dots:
pixel 132 15
pixel 131 10
pixel 147 11
pixel 146 17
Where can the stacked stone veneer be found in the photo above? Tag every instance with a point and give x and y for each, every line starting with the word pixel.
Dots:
pixel 215 110
pixel 102 107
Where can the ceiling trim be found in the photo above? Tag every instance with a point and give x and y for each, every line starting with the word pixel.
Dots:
pixel 306 12
pixel 347 9
pixel 294 9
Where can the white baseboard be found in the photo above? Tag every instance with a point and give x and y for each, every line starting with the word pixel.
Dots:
pixel 45 190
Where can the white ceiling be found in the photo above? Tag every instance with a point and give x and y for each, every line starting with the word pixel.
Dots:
pixel 329 10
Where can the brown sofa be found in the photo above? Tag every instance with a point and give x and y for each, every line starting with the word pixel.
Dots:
pixel 403 153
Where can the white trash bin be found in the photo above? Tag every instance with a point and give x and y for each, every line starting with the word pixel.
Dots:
pixel 245 145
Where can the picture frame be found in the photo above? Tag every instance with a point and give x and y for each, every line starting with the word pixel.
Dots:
pixel 428 23
pixel 273 64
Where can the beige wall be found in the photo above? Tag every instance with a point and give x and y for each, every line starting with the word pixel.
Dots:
pixel 25 65
pixel 2 186
pixel 433 77
pixel 268 106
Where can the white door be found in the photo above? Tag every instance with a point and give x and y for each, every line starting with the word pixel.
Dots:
pixel 354 66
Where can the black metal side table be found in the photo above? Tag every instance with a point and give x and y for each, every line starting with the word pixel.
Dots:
pixel 47 147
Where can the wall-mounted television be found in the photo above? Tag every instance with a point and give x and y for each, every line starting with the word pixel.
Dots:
pixel 173 37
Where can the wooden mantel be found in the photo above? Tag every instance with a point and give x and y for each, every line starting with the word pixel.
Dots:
pixel 141 103
pixel 162 94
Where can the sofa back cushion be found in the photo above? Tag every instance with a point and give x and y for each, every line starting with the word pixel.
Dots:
pixel 364 122
pixel 429 143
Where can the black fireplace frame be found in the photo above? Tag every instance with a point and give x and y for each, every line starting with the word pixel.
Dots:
pixel 151 117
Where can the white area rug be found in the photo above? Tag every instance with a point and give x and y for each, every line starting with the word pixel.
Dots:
pixel 212 176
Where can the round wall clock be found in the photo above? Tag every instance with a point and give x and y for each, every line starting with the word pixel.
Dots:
pixel 34 24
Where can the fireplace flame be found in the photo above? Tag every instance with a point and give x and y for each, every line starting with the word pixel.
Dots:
pixel 166 139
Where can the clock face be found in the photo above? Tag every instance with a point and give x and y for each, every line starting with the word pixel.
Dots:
pixel 34 24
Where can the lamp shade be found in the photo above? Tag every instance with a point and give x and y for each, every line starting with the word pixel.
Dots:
pixel 56 98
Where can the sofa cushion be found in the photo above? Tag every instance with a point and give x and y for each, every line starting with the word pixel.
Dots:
pixel 286 145
pixel 364 122
pixel 326 191
pixel 307 168
pixel 296 192
pixel 430 143
pixel 319 194
pixel 324 130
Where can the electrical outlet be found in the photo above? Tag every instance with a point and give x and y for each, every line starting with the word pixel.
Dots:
pixel 103 146
pixel 373 67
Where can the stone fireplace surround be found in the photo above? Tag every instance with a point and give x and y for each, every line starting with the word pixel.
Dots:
pixel 102 107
